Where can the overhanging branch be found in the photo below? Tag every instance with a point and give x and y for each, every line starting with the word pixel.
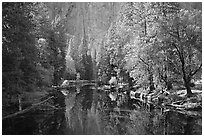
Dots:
pixel 193 73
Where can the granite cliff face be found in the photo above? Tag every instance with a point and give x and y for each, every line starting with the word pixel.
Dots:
pixel 86 27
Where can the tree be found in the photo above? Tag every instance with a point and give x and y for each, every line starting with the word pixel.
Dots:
pixel 115 43
pixel 52 28
pixel 168 43
pixel 20 55
pixel 140 52
pixel 182 34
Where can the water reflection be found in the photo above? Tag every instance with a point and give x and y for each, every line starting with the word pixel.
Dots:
pixel 81 111
pixel 89 111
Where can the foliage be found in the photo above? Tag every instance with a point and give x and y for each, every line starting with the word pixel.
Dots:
pixel 160 42
pixel 20 54
pixel 181 33
pixel 157 43
pixel 52 30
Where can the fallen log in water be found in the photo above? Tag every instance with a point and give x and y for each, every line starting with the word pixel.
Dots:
pixel 27 109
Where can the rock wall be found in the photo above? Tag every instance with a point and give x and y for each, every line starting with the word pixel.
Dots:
pixel 87 26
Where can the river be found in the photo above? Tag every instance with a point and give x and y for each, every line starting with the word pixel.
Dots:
pixel 87 111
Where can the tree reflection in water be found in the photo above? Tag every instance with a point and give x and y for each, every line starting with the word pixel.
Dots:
pixel 89 111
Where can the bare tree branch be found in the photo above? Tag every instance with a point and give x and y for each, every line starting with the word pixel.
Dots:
pixel 144 61
pixel 173 35
pixel 193 73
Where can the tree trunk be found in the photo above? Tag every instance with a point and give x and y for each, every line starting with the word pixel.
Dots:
pixel 188 88
pixel 151 82
pixel 169 85
pixel 166 124
pixel 186 78
pixel 19 103
pixel 56 78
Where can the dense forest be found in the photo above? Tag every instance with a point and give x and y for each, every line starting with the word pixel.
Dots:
pixel 153 45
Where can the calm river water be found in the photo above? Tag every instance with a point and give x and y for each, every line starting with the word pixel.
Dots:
pixel 88 111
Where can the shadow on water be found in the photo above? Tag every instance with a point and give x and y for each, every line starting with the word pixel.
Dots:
pixel 88 111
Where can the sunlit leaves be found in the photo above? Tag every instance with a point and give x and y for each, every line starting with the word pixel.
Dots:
pixel 158 34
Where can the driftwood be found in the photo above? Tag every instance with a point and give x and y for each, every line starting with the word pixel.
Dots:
pixel 179 102
pixel 27 109
pixel 183 105
pixel 184 112
pixel 185 108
